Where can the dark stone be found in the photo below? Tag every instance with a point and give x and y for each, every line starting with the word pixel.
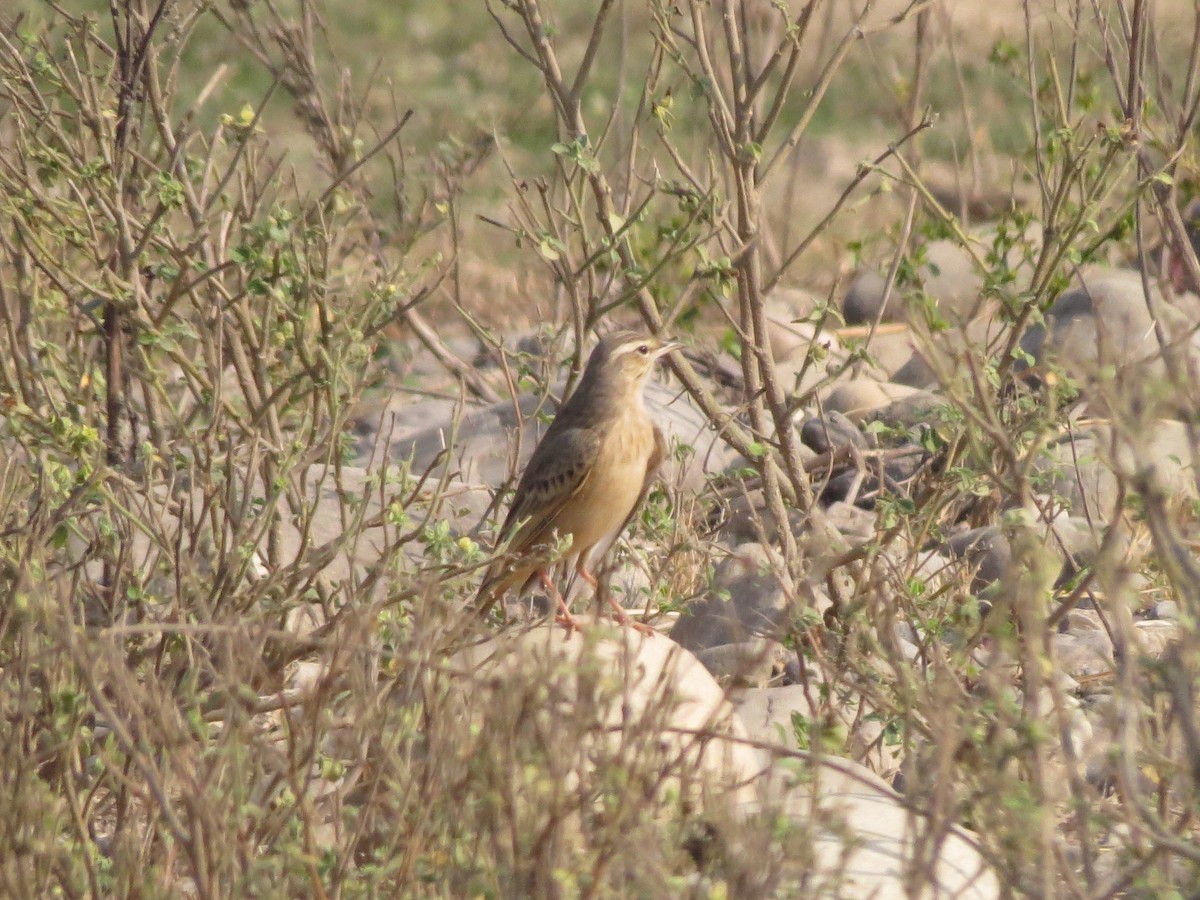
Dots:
pixel 830 432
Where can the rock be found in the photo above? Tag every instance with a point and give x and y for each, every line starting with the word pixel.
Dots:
pixel 746 601
pixel 950 277
pixel 842 722
pixel 864 298
pixel 1073 540
pixel 893 350
pixel 944 351
pixel 744 519
pixel 483 450
pixel 801 374
pixel 918 408
pixel 750 663
pixel 793 303
pixel 1081 469
pixel 854 524
pixel 1167 610
pixel 865 835
pixel 1105 321
pixel 953 280
pixel 1083 654
pixel 859 397
pixel 1154 636
pixel 618 692
pixel 830 432
pixel 986 549
pixel 786 331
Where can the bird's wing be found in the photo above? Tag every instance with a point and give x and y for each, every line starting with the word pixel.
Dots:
pixel 557 470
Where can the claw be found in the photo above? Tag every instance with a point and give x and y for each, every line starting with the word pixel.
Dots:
pixel 622 618
pixel 564 617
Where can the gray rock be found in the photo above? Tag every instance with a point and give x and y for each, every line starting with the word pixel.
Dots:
pixel 483 451
pixel 857 398
pixel 1082 468
pixel 1105 321
pixel 894 351
pixel 1155 636
pixel 767 713
pixel 749 663
pixel 830 432
pixel 633 685
pixel 745 519
pixel 855 524
pixel 864 298
pixel 1074 541
pixel 920 407
pixel 986 550
pixel 1083 653
pixel 953 280
pixel 746 601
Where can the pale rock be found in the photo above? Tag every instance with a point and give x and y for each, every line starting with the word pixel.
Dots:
pixel 1155 636
pixel 858 398
pixel 633 685
pixel 749 663
pixel 865 835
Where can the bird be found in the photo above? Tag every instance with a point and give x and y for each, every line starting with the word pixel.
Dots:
pixel 587 476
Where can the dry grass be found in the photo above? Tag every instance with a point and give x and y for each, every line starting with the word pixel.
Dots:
pixel 234 661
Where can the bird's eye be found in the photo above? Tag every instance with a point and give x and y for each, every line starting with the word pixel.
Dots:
pixel 643 349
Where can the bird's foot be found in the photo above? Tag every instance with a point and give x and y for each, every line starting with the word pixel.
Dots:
pixel 568 621
pixel 622 619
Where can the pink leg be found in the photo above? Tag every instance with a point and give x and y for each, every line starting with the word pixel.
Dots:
pixel 564 617
pixel 618 610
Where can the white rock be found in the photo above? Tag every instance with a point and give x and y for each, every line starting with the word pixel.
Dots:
pixel 865 837
pixel 626 685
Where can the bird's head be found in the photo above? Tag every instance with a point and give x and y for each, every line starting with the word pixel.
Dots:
pixel 623 360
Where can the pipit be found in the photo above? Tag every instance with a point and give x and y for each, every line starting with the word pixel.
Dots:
pixel 586 478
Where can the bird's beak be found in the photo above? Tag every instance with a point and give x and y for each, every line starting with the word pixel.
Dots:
pixel 667 348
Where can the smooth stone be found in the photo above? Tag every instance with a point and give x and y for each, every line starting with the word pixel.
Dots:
pixel 859 397
pixel 787 332
pixel 793 302
pixel 953 280
pixel 892 349
pixel 609 683
pixel 1072 540
pixel 864 297
pixel 1167 610
pixel 866 834
pixel 801 374
pixel 752 663
pixel 1081 469
pixel 767 713
pixel 744 519
pixel 483 451
pixel 944 351
pixel 1156 636
pixel 746 601
pixel 855 524
pixel 1082 654
pixel 986 549
pixel 919 408
pixel 830 432
pixel 1105 321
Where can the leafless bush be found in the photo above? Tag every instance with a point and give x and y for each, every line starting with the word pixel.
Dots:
pixel 239 664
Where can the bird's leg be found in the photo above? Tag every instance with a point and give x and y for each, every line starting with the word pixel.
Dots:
pixel 618 610
pixel 564 617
